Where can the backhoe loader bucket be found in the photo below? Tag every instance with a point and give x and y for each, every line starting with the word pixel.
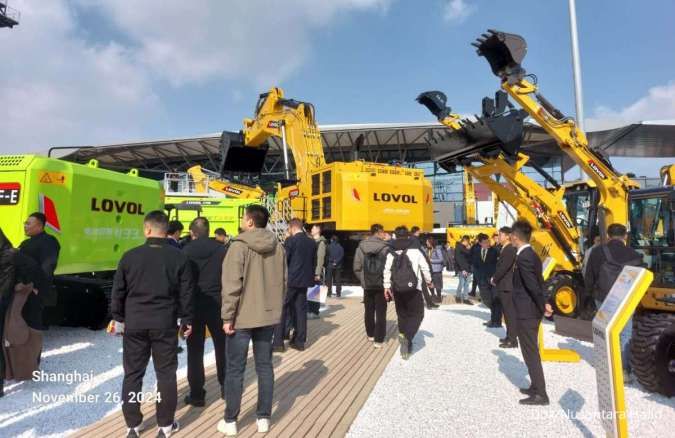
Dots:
pixel 436 102
pixel 504 52
pixel 236 157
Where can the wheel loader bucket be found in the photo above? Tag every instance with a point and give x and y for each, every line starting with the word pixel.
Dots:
pixel 235 156
pixel 504 51
pixel 436 102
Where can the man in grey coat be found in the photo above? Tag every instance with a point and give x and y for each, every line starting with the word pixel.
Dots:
pixel 369 261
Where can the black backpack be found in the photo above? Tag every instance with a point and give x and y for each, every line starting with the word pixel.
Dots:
pixel 609 272
pixel 403 277
pixel 373 269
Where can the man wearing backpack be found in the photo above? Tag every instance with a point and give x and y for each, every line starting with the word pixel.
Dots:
pixel 404 271
pixel 369 261
pixel 604 265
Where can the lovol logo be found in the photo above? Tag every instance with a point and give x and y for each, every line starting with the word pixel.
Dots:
pixel 110 205
pixel 593 165
pixel 389 197
pixel 563 217
pixel 274 124
pixel 233 190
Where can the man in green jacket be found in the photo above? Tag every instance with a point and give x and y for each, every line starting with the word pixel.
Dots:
pixel 254 283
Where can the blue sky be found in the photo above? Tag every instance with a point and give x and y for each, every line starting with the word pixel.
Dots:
pixel 92 71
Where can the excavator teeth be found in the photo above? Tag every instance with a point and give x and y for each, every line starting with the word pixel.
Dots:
pixel 504 51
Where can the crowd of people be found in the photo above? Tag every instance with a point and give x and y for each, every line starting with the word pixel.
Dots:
pixel 252 289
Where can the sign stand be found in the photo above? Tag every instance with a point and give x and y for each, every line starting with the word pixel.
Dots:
pixel 625 295
pixel 553 354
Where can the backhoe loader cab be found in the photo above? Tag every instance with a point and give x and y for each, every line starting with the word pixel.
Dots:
pixel 648 212
pixel 504 52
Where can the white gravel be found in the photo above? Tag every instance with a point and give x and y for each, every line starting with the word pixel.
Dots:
pixel 458 383
pixel 24 412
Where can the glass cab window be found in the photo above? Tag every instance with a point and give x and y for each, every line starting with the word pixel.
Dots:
pixel 651 233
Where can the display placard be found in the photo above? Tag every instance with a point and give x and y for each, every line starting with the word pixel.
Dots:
pixel 626 293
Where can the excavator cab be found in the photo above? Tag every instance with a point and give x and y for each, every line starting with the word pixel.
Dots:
pixel 504 51
pixel 235 156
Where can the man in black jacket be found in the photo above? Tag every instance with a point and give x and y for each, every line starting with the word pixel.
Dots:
pixel 336 255
pixel 206 261
pixel 621 255
pixel 301 262
pixel 503 282
pixel 484 265
pixel 464 270
pixel 44 249
pixel 530 305
pixel 152 288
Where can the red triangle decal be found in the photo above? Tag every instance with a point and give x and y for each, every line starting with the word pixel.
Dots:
pixel 48 208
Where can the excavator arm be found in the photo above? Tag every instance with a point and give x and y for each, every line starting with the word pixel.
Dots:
pixel 205 180
pixel 275 116
pixel 544 209
pixel 504 53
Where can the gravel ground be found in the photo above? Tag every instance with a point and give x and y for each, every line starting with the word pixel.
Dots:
pixel 458 383
pixel 33 409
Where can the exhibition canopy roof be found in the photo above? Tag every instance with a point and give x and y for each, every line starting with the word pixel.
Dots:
pixel 381 142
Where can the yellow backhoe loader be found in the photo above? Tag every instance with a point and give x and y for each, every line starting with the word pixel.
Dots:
pixel 555 234
pixel 648 213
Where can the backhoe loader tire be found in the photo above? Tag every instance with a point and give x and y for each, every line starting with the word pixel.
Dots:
pixel 652 350
pixel 562 291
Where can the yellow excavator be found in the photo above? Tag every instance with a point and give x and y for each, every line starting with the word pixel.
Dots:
pixel 346 198
pixel 555 234
pixel 648 213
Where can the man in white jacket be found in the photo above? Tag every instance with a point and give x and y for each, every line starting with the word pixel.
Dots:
pixel 406 290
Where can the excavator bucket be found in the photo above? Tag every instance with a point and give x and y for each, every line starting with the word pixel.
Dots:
pixel 436 102
pixel 505 122
pixel 235 156
pixel 504 51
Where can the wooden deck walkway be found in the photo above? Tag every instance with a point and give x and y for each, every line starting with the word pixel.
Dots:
pixel 317 393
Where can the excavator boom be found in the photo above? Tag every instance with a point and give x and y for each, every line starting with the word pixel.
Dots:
pixel 505 52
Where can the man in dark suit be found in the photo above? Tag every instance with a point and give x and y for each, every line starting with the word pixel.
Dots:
pixel 301 262
pixel 485 263
pixel 622 255
pixel 530 305
pixel 503 282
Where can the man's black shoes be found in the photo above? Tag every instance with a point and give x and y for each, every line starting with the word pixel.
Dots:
pixel 528 391
pixel 535 400
pixel 493 325
pixel 299 347
pixel 196 402
pixel 279 349
pixel 508 344
pixel 467 302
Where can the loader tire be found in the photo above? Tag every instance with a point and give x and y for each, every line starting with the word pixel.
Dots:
pixel 652 350
pixel 562 291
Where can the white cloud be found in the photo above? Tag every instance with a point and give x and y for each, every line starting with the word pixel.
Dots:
pixel 264 40
pixel 456 11
pixel 60 89
pixel 658 104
